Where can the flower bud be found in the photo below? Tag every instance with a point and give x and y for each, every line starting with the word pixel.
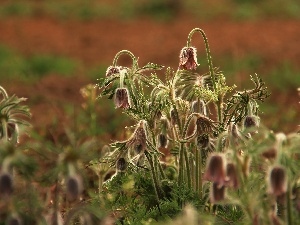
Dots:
pixel 251 121
pixel 217 193
pixel 74 187
pixel 204 125
pixel 122 98
pixel 138 140
pixel 188 58
pixel 277 181
pixel 121 165
pixel 6 184
pixel 199 107
pixel 162 140
pixel 112 70
pixel 215 170
pixel 232 175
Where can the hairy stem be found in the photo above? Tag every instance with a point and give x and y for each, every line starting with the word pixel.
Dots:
pixel 122 52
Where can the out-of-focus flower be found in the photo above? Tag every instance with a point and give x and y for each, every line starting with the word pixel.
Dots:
pixel 232 176
pixel 6 184
pixel 74 187
pixel 217 193
pixel 216 169
pixel 270 153
pixel 277 181
pixel 122 98
pixel 188 58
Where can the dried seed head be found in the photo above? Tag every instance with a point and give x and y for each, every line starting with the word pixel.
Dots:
pixel 217 193
pixel 74 187
pixel 188 58
pixel 138 140
pixel 204 125
pixel 232 175
pixel 162 140
pixel 216 170
pixel 6 184
pixel 251 121
pixel 277 181
pixel 122 98
pixel 112 70
pixel 121 165
pixel 199 107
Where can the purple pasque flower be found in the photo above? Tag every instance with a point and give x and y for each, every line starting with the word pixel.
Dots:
pixel 122 98
pixel 188 58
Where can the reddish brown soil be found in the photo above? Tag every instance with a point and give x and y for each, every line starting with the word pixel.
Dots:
pixel 96 42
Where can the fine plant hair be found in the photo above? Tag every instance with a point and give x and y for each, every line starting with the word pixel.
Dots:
pixel 196 152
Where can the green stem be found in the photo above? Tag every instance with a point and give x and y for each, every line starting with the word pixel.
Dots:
pixel 188 172
pixel 289 206
pixel 208 54
pixel 122 52
pixel 157 189
pixel 181 165
pixel 3 92
pixel 4 128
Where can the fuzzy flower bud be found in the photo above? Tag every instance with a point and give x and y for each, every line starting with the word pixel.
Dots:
pixel 112 70
pixel 162 140
pixel 216 169
pixel 251 122
pixel 14 220
pixel 217 193
pixel 121 165
pixel 122 98
pixel 277 181
pixel 188 58
pixel 232 175
pixel 74 187
pixel 204 125
pixel 199 107
pixel 6 184
pixel 138 140
pixel 270 153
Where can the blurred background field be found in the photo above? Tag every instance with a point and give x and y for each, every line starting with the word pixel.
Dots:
pixel 51 49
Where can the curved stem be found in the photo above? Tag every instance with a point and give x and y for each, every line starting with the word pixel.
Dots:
pixel 208 54
pixel 3 92
pixel 122 52
pixel 4 128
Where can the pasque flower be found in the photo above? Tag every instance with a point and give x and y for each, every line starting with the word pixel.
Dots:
pixel 122 98
pixel 188 58
pixel 216 169
pixel 277 181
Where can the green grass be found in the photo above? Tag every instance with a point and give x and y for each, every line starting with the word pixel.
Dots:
pixel 30 68
pixel 155 9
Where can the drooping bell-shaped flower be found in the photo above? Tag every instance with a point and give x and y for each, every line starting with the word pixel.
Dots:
pixel 188 58
pixel 216 169
pixel 277 181
pixel 122 98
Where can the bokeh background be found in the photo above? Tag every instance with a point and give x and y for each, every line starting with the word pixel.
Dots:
pixel 49 50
